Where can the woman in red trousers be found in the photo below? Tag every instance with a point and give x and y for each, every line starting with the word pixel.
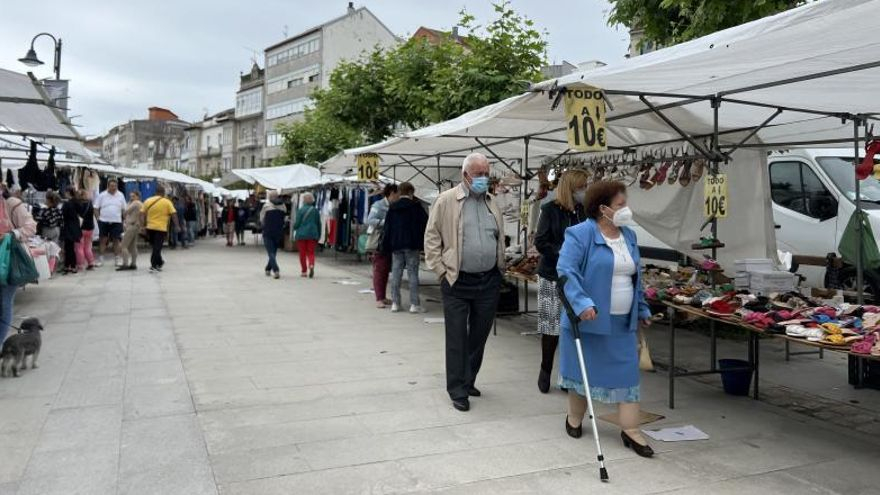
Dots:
pixel 307 231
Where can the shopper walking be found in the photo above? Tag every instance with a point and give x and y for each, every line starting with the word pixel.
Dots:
pixel 381 261
pixel 464 245
pixel 307 231
pixel 228 215
pixel 49 219
pixel 133 224
pixel 600 258
pixel 85 257
pixel 556 216
pixel 272 221
pixel 15 220
pixel 157 211
pixel 71 231
pixel 242 214
pixel 109 206
pixel 191 216
pixel 404 239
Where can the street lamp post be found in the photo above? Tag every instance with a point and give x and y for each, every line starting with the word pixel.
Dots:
pixel 31 59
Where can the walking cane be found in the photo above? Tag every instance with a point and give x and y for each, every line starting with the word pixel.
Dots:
pixel 575 319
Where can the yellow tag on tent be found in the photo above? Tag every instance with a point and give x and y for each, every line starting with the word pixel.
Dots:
pixel 715 192
pixel 368 167
pixel 585 115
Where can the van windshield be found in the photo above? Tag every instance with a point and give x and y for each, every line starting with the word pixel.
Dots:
pixel 842 173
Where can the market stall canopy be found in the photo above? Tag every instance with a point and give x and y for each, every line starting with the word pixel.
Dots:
pixel 25 110
pixel 284 178
pixel 772 62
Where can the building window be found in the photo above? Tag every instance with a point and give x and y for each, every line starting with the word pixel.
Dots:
pixel 253 161
pixel 248 103
pixel 292 79
pixel 287 108
pixel 273 139
pixel 294 52
pixel 243 161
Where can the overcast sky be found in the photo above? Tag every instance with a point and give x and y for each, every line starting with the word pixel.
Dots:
pixel 125 56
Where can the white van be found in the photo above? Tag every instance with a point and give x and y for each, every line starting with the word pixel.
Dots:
pixel 813 195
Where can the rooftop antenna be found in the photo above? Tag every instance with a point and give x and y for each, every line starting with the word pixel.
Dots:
pixel 284 31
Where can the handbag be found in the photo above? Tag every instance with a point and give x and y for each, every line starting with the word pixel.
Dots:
pixel 374 238
pixel 22 269
pixel 143 232
pixel 849 243
pixel 645 362
pixel 5 255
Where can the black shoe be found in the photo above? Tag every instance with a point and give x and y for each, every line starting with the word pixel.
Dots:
pixel 572 431
pixel 642 450
pixel 122 268
pixel 132 267
pixel 312 272
pixel 544 381
pixel 462 405
pixel 277 276
pixel 268 273
pixel 474 392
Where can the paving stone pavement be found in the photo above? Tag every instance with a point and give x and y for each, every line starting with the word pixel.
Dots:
pixel 211 378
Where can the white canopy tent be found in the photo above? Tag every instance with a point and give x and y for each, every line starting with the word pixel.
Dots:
pixel 800 78
pixel 26 110
pixel 285 178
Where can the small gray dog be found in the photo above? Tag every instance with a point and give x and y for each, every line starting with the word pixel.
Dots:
pixel 17 347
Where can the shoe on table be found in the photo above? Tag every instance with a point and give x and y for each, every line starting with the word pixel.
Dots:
pixel 395 308
pixel 462 405
pixel 474 392
pixel 417 309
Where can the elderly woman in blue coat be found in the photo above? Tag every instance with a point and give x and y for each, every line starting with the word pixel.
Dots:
pixel 600 258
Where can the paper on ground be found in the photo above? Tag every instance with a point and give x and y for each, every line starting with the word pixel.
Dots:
pixel 365 291
pixel 347 282
pixel 678 434
pixel 434 320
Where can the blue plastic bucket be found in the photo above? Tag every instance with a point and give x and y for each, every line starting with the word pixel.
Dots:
pixel 735 382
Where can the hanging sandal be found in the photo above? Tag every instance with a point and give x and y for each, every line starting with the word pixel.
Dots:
pixel 660 177
pixel 645 181
pixel 685 178
pixel 676 170
pixel 697 172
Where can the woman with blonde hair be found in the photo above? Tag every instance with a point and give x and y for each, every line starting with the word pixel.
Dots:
pixel 556 216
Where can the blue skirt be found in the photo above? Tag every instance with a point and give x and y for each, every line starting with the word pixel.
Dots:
pixel 612 363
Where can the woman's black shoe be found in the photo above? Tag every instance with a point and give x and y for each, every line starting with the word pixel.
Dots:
pixel 642 450
pixel 572 431
pixel 544 381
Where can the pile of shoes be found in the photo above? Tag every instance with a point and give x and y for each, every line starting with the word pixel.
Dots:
pixel 528 265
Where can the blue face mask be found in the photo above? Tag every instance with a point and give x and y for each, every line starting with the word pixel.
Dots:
pixel 479 185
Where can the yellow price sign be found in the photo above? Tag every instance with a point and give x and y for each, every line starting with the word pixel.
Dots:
pixel 368 167
pixel 715 193
pixel 585 114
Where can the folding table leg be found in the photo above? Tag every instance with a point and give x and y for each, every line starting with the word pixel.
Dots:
pixel 671 358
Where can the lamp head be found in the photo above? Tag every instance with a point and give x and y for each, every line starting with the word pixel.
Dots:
pixel 31 59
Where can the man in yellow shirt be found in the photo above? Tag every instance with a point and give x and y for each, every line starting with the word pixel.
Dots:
pixel 157 211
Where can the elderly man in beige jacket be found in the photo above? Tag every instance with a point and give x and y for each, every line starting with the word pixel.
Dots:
pixel 464 245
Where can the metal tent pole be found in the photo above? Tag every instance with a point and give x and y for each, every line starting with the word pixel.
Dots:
pixel 523 174
pixel 859 260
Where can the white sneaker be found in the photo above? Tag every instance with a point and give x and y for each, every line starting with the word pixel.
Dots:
pixel 417 309
pixel 395 308
pixel 118 261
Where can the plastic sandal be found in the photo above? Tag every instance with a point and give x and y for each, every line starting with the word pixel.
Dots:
pixel 676 170
pixel 697 171
pixel 685 178
pixel 660 177
pixel 645 181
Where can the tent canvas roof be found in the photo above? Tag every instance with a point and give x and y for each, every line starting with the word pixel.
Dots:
pixel 285 178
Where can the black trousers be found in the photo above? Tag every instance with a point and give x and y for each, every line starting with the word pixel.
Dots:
pixel 70 254
pixel 469 310
pixel 157 240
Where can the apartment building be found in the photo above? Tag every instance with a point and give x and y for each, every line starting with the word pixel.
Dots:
pixel 249 136
pixel 300 64
pixel 152 144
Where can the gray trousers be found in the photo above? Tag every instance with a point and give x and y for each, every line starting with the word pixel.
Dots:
pixel 409 259
pixel 129 246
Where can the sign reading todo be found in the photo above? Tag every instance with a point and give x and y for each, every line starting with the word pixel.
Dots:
pixel 585 114
pixel 368 167
pixel 715 191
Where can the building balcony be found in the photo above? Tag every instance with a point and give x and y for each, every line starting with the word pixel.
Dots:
pixel 249 142
pixel 211 151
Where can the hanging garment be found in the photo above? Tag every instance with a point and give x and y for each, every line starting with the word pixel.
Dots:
pixel 50 181
pixel 9 177
pixel 30 173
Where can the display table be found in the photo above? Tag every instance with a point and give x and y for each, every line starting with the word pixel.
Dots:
pixel 517 277
pixel 754 345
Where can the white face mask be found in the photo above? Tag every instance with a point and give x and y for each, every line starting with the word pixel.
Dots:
pixel 621 217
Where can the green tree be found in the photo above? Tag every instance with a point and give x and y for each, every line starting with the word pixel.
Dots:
pixel 667 22
pixel 418 83
pixel 316 138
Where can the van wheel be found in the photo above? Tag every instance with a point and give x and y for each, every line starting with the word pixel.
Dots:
pixel 869 284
